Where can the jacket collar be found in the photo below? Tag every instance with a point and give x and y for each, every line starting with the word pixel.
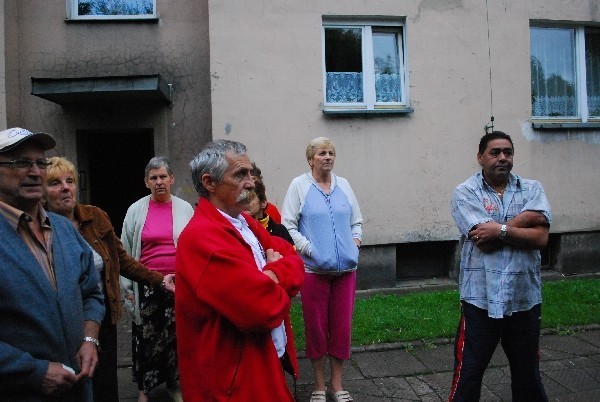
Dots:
pixel 212 213
pixel 82 214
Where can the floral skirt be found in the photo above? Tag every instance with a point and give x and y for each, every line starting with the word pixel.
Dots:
pixel 153 342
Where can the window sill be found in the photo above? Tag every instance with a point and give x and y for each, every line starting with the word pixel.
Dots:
pixel 101 18
pixel 545 125
pixel 336 111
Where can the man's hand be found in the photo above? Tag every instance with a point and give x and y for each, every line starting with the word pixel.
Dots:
pixel 57 379
pixel 485 236
pixel 272 256
pixel 87 357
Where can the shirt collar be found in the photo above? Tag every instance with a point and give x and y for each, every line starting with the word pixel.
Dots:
pixel 514 181
pixel 15 215
pixel 238 222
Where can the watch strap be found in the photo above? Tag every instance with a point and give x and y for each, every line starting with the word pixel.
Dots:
pixel 93 340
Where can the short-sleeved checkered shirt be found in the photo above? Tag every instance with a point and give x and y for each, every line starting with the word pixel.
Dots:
pixel 506 280
pixel 42 252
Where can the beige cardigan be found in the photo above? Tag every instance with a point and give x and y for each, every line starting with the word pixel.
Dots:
pixel 131 237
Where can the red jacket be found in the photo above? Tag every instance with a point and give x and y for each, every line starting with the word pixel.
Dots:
pixel 226 308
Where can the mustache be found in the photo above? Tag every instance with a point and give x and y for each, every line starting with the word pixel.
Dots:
pixel 243 197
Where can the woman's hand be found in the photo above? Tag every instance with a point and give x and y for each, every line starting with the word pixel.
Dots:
pixel 168 283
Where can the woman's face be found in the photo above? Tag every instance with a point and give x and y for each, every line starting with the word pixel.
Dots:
pixel 255 208
pixel 159 182
pixel 61 193
pixel 323 160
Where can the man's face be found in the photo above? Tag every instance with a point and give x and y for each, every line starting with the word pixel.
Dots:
pixel 496 161
pixel 22 187
pixel 231 195
pixel 159 182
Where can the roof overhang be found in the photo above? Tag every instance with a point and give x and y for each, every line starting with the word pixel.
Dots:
pixel 138 88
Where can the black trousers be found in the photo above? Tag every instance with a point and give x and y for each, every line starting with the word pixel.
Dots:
pixel 476 340
pixel 105 381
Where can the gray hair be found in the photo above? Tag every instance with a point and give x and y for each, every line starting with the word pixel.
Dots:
pixel 212 160
pixel 156 163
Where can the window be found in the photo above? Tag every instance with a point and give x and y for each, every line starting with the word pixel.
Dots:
pixel 565 73
pixel 111 9
pixel 364 66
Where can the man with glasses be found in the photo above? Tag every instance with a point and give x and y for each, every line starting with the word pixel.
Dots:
pixel 50 302
pixel 504 222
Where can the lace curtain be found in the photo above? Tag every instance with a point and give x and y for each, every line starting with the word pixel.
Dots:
pixel 564 106
pixel 348 87
pixel 387 87
pixel 555 106
pixel 344 87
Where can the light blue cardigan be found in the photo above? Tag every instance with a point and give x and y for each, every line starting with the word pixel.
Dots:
pixel 131 237
pixel 323 226
pixel 38 324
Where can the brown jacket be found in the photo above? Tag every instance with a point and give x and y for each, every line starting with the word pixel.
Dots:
pixel 98 231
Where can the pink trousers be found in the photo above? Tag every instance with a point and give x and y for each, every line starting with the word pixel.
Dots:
pixel 327 306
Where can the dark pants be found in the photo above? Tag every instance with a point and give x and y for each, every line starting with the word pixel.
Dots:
pixel 476 339
pixel 105 382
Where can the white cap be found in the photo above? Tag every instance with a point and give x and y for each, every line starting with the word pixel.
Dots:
pixel 12 137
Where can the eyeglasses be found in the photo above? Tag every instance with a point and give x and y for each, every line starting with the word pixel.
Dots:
pixel 27 163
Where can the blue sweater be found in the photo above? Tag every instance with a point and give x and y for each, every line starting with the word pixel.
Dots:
pixel 39 324
pixel 323 226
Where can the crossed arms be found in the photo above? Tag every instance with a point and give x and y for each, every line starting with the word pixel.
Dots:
pixel 527 230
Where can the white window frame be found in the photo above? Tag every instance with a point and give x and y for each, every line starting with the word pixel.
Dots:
pixel 368 62
pixel 72 14
pixel 580 77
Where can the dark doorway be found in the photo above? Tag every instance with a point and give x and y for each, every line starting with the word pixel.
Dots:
pixel 111 169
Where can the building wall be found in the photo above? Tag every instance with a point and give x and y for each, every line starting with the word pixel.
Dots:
pixel 252 72
pixel 41 43
pixel 266 84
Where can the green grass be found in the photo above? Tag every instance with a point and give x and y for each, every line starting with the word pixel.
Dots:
pixel 428 315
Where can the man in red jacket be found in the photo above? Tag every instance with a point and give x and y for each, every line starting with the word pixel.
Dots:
pixel 234 284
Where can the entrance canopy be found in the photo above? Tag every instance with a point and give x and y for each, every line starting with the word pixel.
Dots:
pixel 139 88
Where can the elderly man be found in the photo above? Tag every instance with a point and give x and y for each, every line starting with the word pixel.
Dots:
pixel 50 302
pixel 234 284
pixel 504 220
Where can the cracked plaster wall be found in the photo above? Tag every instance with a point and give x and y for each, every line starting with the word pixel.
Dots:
pixel 41 43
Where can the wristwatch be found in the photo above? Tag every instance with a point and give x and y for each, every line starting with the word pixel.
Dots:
pixel 503 230
pixel 93 340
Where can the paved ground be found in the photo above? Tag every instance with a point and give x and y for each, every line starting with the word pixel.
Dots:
pixel 422 371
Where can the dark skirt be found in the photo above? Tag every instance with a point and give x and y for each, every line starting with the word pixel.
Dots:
pixel 153 342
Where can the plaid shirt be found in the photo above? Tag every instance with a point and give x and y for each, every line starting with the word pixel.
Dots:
pixel 42 252
pixel 506 280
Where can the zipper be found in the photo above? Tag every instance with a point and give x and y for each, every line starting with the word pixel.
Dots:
pixel 235 373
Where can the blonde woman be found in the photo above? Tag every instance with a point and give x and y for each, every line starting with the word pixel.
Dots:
pixel 322 215
pixel 111 261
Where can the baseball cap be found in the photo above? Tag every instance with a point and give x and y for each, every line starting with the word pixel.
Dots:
pixel 12 137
